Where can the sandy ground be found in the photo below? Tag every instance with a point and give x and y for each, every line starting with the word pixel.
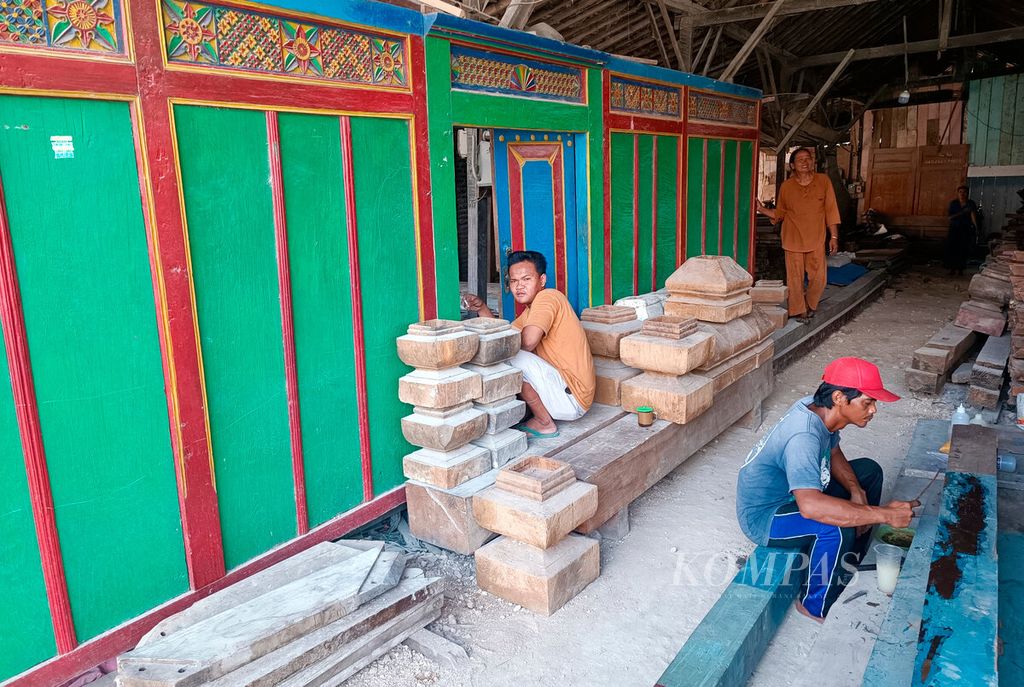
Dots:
pixel 684 546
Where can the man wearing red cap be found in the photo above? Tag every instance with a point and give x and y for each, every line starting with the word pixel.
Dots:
pixel 797 489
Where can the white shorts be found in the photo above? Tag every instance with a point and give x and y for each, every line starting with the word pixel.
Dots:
pixel 550 386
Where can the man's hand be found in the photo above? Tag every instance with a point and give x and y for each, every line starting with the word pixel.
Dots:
pixel 833 245
pixel 477 304
pixel 899 513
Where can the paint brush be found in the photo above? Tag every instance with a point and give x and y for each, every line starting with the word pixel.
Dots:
pixel 930 482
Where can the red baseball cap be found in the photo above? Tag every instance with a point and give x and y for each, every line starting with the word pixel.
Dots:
pixel 859 374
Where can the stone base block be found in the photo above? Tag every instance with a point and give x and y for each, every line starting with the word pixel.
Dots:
pixel 503 446
pixel 675 399
pixel 447 470
pixel 502 414
pixel 604 338
pixel 444 434
pixel 499 341
pixel 497 381
pixel 709 309
pixel 730 370
pixel 714 276
pixel 539 580
pixel 538 523
pixel 437 344
pixel 774 294
pixel 535 477
pixel 439 388
pixel 668 356
pixel 777 315
pixel 444 517
pixel 610 373
pixel 925 382
pixel 935 360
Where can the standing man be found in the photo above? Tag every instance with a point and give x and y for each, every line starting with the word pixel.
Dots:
pixel 963 222
pixel 807 203
pixel 797 489
pixel 558 370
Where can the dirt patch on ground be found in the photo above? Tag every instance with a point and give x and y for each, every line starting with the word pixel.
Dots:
pixel 685 545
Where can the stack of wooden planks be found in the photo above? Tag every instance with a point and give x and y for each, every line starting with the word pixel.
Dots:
pixel 989 372
pixel 933 361
pixel 314 619
pixel 990 293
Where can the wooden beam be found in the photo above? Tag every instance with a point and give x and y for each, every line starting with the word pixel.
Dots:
pixel 703 46
pixel 817 98
pixel 680 62
pixel 443 6
pixel 945 19
pixel 965 41
pixel 657 35
pixel 751 12
pixel 751 43
pixel 517 14
pixel 711 53
pixel 736 33
pixel 626 32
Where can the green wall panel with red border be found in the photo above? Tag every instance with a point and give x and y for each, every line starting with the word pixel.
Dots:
pixel 322 312
pixel 621 177
pixel 645 211
pixel 729 149
pixel 228 204
pixel 746 164
pixel 87 295
pixel 390 293
pixel 668 204
pixel 694 195
pixel 712 194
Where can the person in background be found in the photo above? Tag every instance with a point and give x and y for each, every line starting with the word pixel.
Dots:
pixel 807 204
pixel 963 223
pixel 558 369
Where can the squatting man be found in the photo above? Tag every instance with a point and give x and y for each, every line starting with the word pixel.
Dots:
pixel 798 490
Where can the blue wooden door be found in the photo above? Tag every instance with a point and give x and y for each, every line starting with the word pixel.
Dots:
pixel 536 206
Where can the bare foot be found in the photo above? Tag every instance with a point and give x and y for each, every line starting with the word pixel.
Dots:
pixel 804 611
pixel 534 423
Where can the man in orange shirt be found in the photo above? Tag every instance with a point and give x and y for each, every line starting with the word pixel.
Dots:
pixel 558 369
pixel 807 203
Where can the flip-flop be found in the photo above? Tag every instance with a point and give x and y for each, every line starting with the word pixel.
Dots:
pixel 534 433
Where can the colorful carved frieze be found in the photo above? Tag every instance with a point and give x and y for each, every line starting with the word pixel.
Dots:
pixel 639 97
pixel 92 26
pixel 477 70
pixel 721 109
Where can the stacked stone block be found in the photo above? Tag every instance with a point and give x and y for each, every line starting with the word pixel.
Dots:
pixel 534 504
pixel 771 297
pixel 605 327
pixel 501 382
pixel 711 288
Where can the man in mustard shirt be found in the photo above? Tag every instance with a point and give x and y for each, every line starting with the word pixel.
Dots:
pixel 558 370
pixel 807 204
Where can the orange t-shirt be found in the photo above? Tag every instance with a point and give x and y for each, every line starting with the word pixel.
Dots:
pixel 564 345
pixel 805 211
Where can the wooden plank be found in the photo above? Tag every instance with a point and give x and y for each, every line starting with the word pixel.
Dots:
pixel 1006 119
pixel 973 450
pixel 1017 156
pixel 727 645
pixel 751 42
pixel 892 658
pixel 913 47
pixel 993 122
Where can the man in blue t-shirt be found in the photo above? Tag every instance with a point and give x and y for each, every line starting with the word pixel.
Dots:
pixel 796 488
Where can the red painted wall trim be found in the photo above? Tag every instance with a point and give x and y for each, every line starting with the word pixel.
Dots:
pixel 362 402
pixel 704 203
pixel 721 195
pixel 51 73
pixel 755 166
pixel 284 279
pixel 636 214
pixel 606 148
pixel 682 165
pixel 124 637
pixel 558 221
pixel 27 411
pixel 421 181
pixel 736 211
pixel 644 124
pixel 654 216
pixel 721 131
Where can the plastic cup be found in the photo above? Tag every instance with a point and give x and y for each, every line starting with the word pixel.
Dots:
pixel 887 562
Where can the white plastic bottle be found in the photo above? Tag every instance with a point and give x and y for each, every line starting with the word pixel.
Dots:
pixel 960 417
pixel 979 420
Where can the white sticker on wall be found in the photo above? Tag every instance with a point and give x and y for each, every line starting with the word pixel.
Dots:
pixel 63 147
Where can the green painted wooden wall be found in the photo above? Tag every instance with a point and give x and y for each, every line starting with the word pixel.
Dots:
pixel 87 295
pixel 636 174
pixel 995 121
pixel 229 209
pixel 719 178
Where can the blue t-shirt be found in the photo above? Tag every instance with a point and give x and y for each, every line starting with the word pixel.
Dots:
pixel 795 454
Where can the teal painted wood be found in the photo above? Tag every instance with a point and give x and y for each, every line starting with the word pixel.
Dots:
pixel 892 658
pixel 1017 155
pixel 1006 117
pixel 993 122
pixel 977 113
pixel 725 648
pixel 234 268
pixel 959 619
pixel 1011 608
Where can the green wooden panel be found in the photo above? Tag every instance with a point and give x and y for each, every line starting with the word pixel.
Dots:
pixel 1017 154
pixel 730 154
pixel 595 181
pixel 971 116
pixel 980 107
pixel 622 215
pixel 25 627
pixel 713 195
pixel 994 121
pixel 504 112
pixel 234 266
pixel 645 212
pixel 390 295
pixel 668 203
pixel 87 293
pixel 1006 119
pixel 694 195
pixel 322 312
pixel 745 191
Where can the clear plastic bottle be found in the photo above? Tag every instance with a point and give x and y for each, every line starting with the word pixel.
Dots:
pixel 960 417
pixel 979 420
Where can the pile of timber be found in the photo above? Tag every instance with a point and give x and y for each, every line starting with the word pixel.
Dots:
pixel 534 505
pixel 990 293
pixel 316 618
pixel 1016 318
pixel 463 393
pixel 709 338
pixel 933 361
pixel 989 373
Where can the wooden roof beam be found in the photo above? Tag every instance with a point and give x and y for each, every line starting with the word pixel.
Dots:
pixel 751 12
pixel 681 64
pixel 751 43
pixel 816 99
pixel 966 41
pixel 657 34
pixel 517 14
pixel 736 33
